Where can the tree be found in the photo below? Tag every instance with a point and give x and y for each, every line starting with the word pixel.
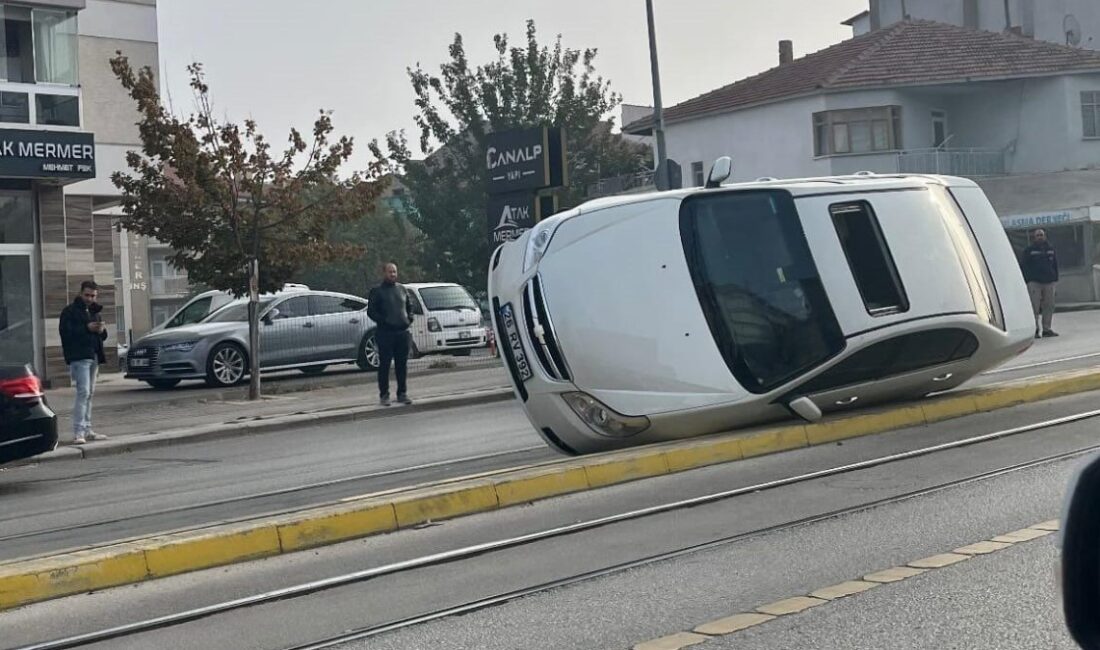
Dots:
pixel 239 216
pixel 534 85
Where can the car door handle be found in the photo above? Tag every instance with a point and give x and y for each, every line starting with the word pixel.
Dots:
pixel 847 400
pixel 944 377
pixel 354 321
pixel 307 324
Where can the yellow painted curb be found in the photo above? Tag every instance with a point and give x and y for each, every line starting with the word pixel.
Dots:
pixel 32 580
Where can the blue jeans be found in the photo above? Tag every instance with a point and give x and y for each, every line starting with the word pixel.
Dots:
pixel 83 373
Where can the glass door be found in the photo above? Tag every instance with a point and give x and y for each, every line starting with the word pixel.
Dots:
pixel 17 322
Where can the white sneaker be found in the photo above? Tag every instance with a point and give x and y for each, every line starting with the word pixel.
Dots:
pixel 92 435
pixel 78 441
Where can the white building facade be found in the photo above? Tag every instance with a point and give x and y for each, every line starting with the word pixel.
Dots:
pixel 1025 123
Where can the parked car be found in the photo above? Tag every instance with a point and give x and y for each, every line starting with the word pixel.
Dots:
pixel 447 319
pixel 28 426
pixel 195 310
pixel 304 330
pixel 652 317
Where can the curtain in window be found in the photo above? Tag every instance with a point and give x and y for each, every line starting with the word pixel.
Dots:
pixel 55 47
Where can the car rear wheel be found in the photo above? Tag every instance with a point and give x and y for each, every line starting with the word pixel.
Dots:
pixel 162 384
pixel 313 370
pixel 368 353
pixel 226 366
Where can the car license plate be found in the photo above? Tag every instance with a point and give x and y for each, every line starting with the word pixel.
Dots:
pixel 139 363
pixel 463 335
pixel 515 343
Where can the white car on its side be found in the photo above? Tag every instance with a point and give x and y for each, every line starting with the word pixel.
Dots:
pixel 652 317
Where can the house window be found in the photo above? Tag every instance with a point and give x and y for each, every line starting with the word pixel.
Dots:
pixel 1090 113
pixel 697 174
pixel 939 128
pixel 14 107
pixel 862 130
pixel 17 46
pixel 57 110
pixel 38 46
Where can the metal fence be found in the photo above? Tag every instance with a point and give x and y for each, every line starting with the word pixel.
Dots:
pixel 621 185
pixel 970 163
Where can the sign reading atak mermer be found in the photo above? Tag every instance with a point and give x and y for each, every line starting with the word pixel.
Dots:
pixel 46 154
pixel 518 164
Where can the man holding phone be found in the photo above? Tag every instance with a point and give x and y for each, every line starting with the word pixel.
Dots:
pixel 82 334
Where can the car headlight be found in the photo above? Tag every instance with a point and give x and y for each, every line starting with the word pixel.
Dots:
pixel 433 325
pixel 538 242
pixel 184 346
pixel 603 419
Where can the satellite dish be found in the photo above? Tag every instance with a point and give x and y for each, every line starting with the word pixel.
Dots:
pixel 1072 28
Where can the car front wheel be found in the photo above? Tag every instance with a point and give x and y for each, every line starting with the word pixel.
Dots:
pixel 226 365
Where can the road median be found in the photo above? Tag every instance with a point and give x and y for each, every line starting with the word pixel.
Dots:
pixel 31 580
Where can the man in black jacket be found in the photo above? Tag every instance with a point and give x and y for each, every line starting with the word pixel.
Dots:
pixel 1039 263
pixel 389 307
pixel 82 334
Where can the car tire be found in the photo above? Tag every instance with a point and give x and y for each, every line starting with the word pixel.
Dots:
pixel 414 352
pixel 465 352
pixel 227 365
pixel 368 353
pixel 313 371
pixel 162 384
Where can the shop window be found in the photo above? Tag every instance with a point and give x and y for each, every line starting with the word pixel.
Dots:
pixel 1068 242
pixel 15 107
pixel 863 130
pixel 58 110
pixel 16 218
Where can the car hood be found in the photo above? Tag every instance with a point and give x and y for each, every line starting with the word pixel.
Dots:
pixel 631 327
pixel 188 333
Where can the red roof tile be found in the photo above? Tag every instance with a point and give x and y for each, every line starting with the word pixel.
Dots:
pixel 913 52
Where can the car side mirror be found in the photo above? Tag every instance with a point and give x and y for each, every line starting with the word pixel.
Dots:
pixel 719 172
pixel 1080 562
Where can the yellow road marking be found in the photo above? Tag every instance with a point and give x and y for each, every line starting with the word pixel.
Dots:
pixel 982 548
pixel 673 641
pixel 1022 535
pixel 895 574
pixel 1051 525
pixel 731 624
pixel 790 606
pixel 848 588
pixel 939 561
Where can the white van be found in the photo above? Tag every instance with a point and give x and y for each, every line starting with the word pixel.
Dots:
pixel 652 317
pixel 447 319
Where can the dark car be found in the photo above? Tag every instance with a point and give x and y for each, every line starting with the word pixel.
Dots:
pixel 28 426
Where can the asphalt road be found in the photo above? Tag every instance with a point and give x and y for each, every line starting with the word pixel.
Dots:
pixel 1003 600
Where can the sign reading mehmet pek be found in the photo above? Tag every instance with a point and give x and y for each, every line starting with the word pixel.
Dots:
pixel 46 154
pixel 518 164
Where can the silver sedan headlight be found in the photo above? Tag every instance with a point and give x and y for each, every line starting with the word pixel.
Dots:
pixel 183 346
pixel 604 420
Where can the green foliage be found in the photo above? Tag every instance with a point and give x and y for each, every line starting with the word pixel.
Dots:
pixel 533 85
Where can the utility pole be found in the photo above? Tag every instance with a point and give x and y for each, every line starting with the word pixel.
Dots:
pixel 658 111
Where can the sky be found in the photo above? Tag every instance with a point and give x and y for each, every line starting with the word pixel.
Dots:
pixel 280 61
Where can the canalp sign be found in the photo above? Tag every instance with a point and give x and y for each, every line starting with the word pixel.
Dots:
pixel 46 154
pixel 525 160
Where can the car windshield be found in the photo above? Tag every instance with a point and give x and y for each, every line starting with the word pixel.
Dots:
pixel 236 312
pixel 444 298
pixel 758 286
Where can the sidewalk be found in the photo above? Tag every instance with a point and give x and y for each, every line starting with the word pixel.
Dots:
pixel 166 418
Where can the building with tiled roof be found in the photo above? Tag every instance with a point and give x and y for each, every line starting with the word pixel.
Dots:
pixel 919 96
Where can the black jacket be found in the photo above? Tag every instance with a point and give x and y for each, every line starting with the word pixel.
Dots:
pixel 1039 263
pixel 389 306
pixel 76 341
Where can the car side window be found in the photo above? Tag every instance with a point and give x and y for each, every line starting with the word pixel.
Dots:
pixel 193 313
pixel 417 309
pixel 296 307
pixel 896 356
pixel 321 305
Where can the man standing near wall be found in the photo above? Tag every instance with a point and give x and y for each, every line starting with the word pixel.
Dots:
pixel 82 334
pixel 1039 263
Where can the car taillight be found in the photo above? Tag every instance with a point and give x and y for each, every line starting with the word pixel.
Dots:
pixel 21 388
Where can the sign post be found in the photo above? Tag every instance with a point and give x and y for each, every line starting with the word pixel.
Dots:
pixel 521 165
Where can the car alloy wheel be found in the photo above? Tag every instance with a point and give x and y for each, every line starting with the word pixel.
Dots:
pixel 370 352
pixel 228 365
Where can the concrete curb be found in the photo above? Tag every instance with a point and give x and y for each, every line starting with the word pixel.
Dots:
pixel 28 581
pixel 187 435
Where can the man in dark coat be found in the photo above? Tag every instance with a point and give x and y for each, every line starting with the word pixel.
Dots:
pixel 82 334
pixel 389 307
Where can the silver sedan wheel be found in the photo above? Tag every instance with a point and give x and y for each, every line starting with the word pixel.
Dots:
pixel 370 351
pixel 228 365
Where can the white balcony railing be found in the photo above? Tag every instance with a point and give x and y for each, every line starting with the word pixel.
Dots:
pixel 970 163
pixel 170 285
pixel 620 185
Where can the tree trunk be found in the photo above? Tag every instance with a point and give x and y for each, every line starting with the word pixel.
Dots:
pixel 254 330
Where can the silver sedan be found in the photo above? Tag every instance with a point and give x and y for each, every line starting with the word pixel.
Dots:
pixel 307 330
